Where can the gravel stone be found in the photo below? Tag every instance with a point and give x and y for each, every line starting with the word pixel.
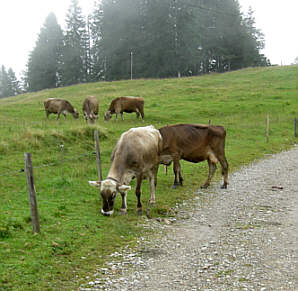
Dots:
pixel 241 238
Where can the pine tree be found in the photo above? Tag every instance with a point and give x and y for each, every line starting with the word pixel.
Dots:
pixel 75 63
pixel 97 57
pixel 42 66
pixel 9 85
pixel 3 83
pixel 13 83
pixel 253 42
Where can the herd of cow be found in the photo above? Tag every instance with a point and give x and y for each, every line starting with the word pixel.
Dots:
pixel 139 151
pixel 119 105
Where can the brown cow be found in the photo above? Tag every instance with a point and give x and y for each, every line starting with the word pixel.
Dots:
pixel 58 106
pixel 90 108
pixel 194 143
pixel 126 104
pixel 136 155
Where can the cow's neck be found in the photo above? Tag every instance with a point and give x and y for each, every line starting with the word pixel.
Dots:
pixel 116 173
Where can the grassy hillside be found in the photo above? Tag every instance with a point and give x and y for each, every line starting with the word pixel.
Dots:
pixel 75 238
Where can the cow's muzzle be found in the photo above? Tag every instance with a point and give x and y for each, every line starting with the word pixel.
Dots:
pixel 107 213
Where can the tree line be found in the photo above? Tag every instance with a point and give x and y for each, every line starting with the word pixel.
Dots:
pixel 124 39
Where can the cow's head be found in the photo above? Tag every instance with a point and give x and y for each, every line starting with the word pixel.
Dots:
pixel 108 115
pixel 108 191
pixel 92 117
pixel 75 114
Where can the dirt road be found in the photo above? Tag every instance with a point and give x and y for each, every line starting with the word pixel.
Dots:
pixel 242 238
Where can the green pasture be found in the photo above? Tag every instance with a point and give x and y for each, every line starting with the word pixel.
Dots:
pixel 75 238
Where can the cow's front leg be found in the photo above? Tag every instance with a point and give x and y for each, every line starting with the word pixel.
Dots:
pixel 123 209
pixel 138 194
pixel 152 181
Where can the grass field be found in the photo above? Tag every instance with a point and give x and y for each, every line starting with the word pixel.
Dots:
pixel 75 238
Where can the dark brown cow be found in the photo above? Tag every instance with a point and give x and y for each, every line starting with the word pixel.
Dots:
pixel 90 108
pixel 126 104
pixel 58 106
pixel 136 155
pixel 194 143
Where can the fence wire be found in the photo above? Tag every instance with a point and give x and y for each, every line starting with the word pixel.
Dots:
pixel 52 164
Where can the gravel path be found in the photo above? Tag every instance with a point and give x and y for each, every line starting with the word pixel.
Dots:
pixel 242 238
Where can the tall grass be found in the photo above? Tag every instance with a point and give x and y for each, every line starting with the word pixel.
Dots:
pixel 75 238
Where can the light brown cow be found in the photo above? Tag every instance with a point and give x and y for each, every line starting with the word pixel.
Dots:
pixel 136 155
pixel 126 104
pixel 194 143
pixel 90 109
pixel 58 106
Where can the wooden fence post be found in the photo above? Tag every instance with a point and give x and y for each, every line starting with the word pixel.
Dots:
pixel 295 133
pixel 31 193
pixel 267 128
pixel 97 149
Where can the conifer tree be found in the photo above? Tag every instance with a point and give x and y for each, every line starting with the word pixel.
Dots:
pixel 42 66
pixel 74 66
pixel 9 85
pixel 3 83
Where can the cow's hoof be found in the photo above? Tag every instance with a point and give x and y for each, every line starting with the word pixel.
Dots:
pixel 224 186
pixel 122 212
pixel 175 186
pixel 152 204
pixel 205 186
pixel 139 211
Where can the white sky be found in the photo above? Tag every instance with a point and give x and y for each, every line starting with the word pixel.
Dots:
pixel 21 21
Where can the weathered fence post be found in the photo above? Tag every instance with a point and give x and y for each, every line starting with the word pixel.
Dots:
pixel 295 133
pixel 267 128
pixel 31 193
pixel 97 149
pixel 209 122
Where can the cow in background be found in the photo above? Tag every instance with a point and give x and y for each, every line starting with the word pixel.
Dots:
pixel 194 143
pixel 90 109
pixel 58 106
pixel 126 104
pixel 136 154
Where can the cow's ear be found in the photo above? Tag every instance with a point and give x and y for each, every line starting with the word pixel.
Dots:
pixel 124 188
pixel 95 183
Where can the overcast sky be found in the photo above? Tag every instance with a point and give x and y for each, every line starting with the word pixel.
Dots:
pixel 21 21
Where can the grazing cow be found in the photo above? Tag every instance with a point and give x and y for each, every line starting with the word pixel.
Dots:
pixel 194 143
pixel 136 154
pixel 126 104
pixel 58 106
pixel 90 108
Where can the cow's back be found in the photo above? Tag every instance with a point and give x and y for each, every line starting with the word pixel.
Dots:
pixel 90 105
pixel 53 104
pixel 191 142
pixel 138 148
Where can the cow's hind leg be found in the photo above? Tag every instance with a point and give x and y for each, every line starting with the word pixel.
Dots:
pixel 138 194
pixel 142 114
pixel 177 172
pixel 212 169
pixel 224 170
